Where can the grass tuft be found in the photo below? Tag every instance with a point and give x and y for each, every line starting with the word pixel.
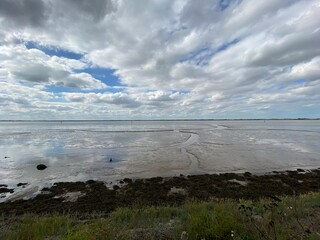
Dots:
pixel 269 218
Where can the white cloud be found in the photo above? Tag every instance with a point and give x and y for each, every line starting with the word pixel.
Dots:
pixel 32 65
pixel 307 70
pixel 180 58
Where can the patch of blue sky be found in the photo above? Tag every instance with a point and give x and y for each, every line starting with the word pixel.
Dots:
pixel 107 90
pixel 27 83
pixel 202 56
pixel 181 91
pixel 296 83
pixel 238 97
pixel 177 29
pixel 281 86
pixel 58 98
pixel 53 51
pixel 301 112
pixel 227 45
pixel 59 89
pixel 105 75
pixel 224 4
pixel 299 82
pixel 172 31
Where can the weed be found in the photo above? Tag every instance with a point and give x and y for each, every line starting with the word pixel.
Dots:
pixel 273 218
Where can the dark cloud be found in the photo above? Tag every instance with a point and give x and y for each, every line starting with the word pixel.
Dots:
pixel 23 12
pixel 95 9
pixel 288 50
pixel 198 15
pixel 120 99
pixel 37 73
pixel 117 99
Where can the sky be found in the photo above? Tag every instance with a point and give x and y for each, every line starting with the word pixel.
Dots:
pixel 159 59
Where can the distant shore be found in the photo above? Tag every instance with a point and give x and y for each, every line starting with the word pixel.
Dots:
pixel 148 120
pixel 94 196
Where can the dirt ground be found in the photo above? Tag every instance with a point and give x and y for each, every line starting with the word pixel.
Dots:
pixel 95 196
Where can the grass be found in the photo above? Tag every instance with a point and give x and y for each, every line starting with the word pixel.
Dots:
pixel 211 219
pixel 274 218
pixel 34 227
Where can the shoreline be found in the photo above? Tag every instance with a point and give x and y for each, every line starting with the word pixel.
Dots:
pixel 95 196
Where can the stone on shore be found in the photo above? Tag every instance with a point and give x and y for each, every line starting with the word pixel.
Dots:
pixel 41 167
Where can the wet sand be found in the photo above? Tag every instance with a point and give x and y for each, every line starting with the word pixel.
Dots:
pixel 80 150
pixel 96 196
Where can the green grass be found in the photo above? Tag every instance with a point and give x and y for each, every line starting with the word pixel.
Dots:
pixel 289 218
pixel 211 219
pixel 34 227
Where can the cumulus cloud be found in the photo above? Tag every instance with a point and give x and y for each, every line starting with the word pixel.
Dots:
pixel 182 59
pixel 32 65
pixel 119 99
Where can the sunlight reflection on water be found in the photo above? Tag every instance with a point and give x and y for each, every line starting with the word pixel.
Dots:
pixel 81 150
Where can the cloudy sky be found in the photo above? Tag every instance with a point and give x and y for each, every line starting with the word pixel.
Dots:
pixel 160 59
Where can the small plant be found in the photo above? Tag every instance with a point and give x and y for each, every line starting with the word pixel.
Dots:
pixel 209 220
pixel 276 218
pixel 271 218
pixel 32 227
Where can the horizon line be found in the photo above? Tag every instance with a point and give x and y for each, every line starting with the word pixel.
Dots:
pixel 188 119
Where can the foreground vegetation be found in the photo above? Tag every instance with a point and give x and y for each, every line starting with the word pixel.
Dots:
pixel 268 218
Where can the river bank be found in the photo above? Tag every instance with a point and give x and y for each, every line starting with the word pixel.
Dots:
pixel 94 196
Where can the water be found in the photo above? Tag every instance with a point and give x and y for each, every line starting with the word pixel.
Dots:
pixel 81 150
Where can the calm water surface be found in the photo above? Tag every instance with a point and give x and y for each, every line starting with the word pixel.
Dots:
pixel 75 150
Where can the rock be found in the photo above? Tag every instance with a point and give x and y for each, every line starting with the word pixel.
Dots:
pixel 72 196
pixel 184 236
pixel 6 190
pixel 116 187
pixel 127 180
pixel 21 184
pixel 175 190
pixel 90 182
pixel 41 167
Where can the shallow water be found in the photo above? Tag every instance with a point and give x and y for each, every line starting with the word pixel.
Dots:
pixel 81 150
